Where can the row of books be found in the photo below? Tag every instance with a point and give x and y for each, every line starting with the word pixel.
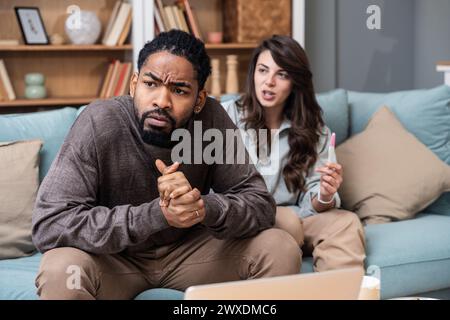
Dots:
pixel 115 83
pixel 178 16
pixel 119 24
pixel 117 79
pixel 6 89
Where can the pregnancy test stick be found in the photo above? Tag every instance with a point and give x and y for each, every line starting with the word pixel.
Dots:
pixel 331 151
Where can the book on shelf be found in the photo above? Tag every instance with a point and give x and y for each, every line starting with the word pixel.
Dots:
pixel 178 16
pixel 113 80
pixel 170 18
pixel 9 42
pixel 111 20
pixel 183 16
pixel 173 12
pixel 159 24
pixel 124 79
pixel 181 19
pixel 117 79
pixel 106 80
pixel 160 9
pixel 192 19
pixel 157 30
pixel 126 31
pixel 119 24
pixel 7 90
pixel 3 92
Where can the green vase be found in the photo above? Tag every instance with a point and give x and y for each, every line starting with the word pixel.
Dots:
pixel 35 88
pixel 35 92
pixel 33 79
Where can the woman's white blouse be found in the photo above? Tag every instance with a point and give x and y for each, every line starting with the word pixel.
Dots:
pixel 271 167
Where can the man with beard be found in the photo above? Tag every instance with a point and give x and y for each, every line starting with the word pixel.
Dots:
pixel 112 212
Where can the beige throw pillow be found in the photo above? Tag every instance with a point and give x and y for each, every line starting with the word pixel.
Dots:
pixel 19 182
pixel 388 174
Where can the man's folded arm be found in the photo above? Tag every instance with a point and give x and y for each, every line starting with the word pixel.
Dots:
pixel 240 206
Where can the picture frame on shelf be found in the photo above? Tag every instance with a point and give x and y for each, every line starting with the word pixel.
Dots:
pixel 31 25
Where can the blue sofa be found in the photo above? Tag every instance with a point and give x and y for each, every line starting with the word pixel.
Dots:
pixel 413 256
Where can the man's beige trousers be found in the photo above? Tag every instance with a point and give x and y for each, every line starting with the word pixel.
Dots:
pixel 199 258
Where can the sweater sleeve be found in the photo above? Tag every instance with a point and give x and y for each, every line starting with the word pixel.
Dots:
pixel 240 206
pixel 67 213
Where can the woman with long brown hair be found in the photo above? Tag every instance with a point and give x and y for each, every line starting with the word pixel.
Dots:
pixel 280 103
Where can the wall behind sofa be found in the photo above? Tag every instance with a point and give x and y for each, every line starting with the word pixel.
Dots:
pixel 402 55
pixel 432 41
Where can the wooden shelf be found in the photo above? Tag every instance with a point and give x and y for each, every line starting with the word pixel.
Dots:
pixel 126 47
pixel 67 47
pixel 47 102
pixel 224 46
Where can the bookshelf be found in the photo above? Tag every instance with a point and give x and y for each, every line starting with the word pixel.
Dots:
pixel 74 73
pixel 66 47
pixel 209 17
pixel 18 103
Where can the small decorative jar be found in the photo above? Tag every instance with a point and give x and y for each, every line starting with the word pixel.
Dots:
pixel 35 88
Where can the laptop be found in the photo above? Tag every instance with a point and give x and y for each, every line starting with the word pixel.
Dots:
pixel 342 284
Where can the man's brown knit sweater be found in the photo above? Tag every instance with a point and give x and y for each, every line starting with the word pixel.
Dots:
pixel 101 193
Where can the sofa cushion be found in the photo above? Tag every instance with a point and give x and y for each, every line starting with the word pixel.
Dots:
pixel 19 182
pixel 160 294
pixel 80 110
pixel 17 278
pixel 49 126
pixel 307 264
pixel 413 255
pixel 389 174
pixel 425 113
pixel 441 205
pixel 335 112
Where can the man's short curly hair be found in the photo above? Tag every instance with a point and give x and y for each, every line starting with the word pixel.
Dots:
pixel 182 44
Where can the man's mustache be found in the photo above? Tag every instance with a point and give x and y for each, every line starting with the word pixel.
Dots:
pixel 159 112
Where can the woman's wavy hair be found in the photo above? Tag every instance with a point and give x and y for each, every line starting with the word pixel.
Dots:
pixel 301 107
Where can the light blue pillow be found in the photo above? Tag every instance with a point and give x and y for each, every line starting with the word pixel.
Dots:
pixel 335 112
pixel 49 126
pixel 229 97
pixel 424 113
pixel 80 110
